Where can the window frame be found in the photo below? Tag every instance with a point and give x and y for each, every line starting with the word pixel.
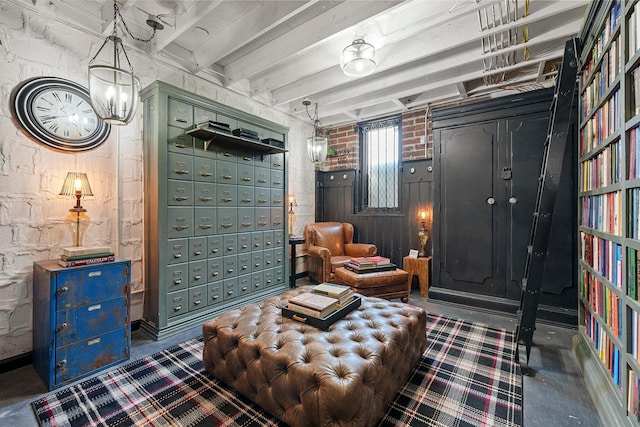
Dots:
pixel 362 196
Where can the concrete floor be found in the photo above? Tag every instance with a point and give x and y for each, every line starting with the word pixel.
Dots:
pixel 554 393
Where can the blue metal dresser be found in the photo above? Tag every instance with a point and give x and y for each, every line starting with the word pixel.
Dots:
pixel 80 319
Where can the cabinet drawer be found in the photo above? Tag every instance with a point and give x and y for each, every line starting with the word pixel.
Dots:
pixel 214 293
pixel 230 244
pixel 177 277
pixel 278 276
pixel 178 141
pixel 245 157
pixel 214 246
pixel 204 170
pixel 278 256
pixel 179 166
pixel 277 161
pixel 87 321
pixel 198 298
pixel 86 285
pixel 262 176
pixel 267 257
pixel 177 303
pixel 85 356
pixel 244 263
pixel 278 238
pixel 177 251
pixel 257 281
pixel 268 239
pixel 179 193
pixel 180 114
pixel 277 179
pixel 244 243
pixel 263 196
pixel 257 240
pixel 227 220
pixel 277 218
pixel 201 115
pixel 246 196
pixel 227 153
pixel 246 219
pixel 268 278
pixel 227 172
pixel 263 218
pixel 204 194
pixel 230 266
pixel 197 273
pixel 230 287
pixel 179 222
pixel 244 285
pixel 205 221
pixel 257 261
pixel 214 269
pixel 245 174
pixel 277 197
pixel 227 195
pixel 197 248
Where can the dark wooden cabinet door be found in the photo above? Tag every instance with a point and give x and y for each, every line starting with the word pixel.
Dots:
pixel 470 208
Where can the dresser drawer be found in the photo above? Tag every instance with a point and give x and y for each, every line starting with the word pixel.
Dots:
pixel 244 285
pixel 244 264
pixel 197 248
pixel 277 197
pixel 197 273
pixel 246 219
pixel 244 243
pixel 198 298
pixel 179 193
pixel 205 221
pixel 227 195
pixel 204 194
pixel 179 166
pixel 245 174
pixel 180 114
pixel 178 251
pixel 214 246
pixel 178 141
pixel 246 196
pixel 81 323
pixel 230 266
pixel 86 285
pixel 177 277
pixel 177 303
pixel 262 176
pixel 263 219
pixel 179 222
pixel 227 220
pixel 230 287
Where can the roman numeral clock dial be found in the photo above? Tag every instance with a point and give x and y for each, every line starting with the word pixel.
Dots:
pixel 58 113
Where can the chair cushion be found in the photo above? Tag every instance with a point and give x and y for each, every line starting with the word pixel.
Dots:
pixel 329 235
pixel 338 261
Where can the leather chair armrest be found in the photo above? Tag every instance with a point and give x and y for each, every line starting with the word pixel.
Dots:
pixel 360 249
pixel 319 251
pixel 319 263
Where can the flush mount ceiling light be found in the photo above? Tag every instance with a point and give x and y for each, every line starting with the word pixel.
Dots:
pixel 316 144
pixel 358 59
pixel 112 88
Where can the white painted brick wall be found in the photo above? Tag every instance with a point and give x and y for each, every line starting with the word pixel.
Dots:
pixel 31 175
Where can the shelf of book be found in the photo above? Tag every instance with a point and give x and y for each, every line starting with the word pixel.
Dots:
pixel 609 209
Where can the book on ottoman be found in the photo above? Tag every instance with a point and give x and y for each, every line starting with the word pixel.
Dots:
pixel 324 322
pixel 313 304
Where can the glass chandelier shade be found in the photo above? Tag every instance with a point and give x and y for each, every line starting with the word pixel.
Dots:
pixel 113 90
pixel 317 148
pixel 358 59
pixel 77 184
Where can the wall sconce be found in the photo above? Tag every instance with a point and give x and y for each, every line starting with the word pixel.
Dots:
pixel 423 235
pixel 113 89
pixel 77 184
pixel 292 214
pixel 316 144
pixel 358 59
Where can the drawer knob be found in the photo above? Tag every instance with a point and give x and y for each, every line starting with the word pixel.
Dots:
pixel 197 277
pixel 197 253
pixel 177 255
pixel 61 327
pixel 181 171
pixel 229 270
pixel 246 200
pixel 246 179
pixel 206 226
pixel 177 308
pixel 180 145
pixel 180 227
pixel 206 199
pixel 177 281
pixel 62 290
pixel 180 120
pixel 229 248
pixel 62 363
pixel 244 288
pixel 243 246
pixel 197 302
pixel 206 174
pixel 180 198
pixel 228 225
pixel 230 293
pixel 226 177
pixel 215 250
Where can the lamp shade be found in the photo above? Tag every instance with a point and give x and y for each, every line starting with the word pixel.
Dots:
pixel 317 148
pixel 113 90
pixel 76 182
pixel 358 59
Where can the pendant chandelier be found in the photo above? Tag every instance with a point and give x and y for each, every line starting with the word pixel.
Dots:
pixel 358 59
pixel 112 87
pixel 316 144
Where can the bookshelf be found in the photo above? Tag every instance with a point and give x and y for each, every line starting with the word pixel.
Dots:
pixel 609 209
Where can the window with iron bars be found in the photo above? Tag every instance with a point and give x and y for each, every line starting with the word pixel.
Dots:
pixel 380 149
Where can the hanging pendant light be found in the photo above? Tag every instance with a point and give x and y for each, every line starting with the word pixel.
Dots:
pixel 316 144
pixel 358 59
pixel 112 88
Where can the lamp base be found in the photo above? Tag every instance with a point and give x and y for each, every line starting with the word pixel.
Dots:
pixel 77 223
pixel 423 236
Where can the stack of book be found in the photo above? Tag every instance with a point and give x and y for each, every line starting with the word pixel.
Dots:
pixel 369 264
pixel 324 299
pixel 75 256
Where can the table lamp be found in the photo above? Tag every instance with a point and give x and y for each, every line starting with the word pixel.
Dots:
pixel 423 234
pixel 292 214
pixel 77 184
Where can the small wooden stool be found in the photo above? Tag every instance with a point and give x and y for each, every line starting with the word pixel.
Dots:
pixel 419 267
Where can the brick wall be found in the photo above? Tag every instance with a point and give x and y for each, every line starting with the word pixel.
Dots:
pixel 417 141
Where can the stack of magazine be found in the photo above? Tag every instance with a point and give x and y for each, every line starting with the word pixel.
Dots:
pixel 75 256
pixel 325 298
pixel 369 264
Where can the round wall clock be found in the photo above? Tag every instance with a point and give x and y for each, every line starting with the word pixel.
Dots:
pixel 58 113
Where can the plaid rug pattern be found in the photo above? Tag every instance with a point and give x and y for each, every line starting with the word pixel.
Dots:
pixel 467 377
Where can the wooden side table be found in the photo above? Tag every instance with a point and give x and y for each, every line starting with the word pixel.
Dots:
pixel 419 267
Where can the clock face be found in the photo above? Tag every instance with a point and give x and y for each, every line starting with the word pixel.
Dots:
pixel 57 113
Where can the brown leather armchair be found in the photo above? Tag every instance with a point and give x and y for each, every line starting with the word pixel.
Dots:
pixel 329 245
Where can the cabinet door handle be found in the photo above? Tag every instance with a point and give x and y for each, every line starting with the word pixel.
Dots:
pixel 197 277
pixel 227 154
pixel 244 267
pixel 177 281
pixel 268 282
pixel 214 274
pixel 226 177
pixel 180 145
pixel 243 246
pixel 227 199
pixel 180 227
pixel 246 200
pixel 229 270
pixel 62 290
pixel 262 201
pixel 197 253
pixel 61 327
pixel 62 363
pixel 181 171
pixel 227 225
pixel 180 120
pixel 178 255
pixel 267 243
pixel 262 181
pixel 257 245
pixel 197 302
pixel 277 182
pixel 177 308
pixel 277 201
pixel 246 179
pixel 262 223
pixel 257 264
pixel 277 222
pixel 180 198
pixel 206 226
pixel 214 250
pixel 206 174
pixel 230 293
pixel 206 199
pixel 229 248
pixel 246 224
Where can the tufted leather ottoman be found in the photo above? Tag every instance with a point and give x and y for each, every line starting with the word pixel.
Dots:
pixel 383 284
pixel 344 376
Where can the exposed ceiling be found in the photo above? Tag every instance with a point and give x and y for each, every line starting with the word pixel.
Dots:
pixel 281 52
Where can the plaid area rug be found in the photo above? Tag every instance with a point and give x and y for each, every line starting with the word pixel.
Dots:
pixel 467 377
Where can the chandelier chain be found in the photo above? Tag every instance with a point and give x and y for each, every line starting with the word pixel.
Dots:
pixel 116 12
